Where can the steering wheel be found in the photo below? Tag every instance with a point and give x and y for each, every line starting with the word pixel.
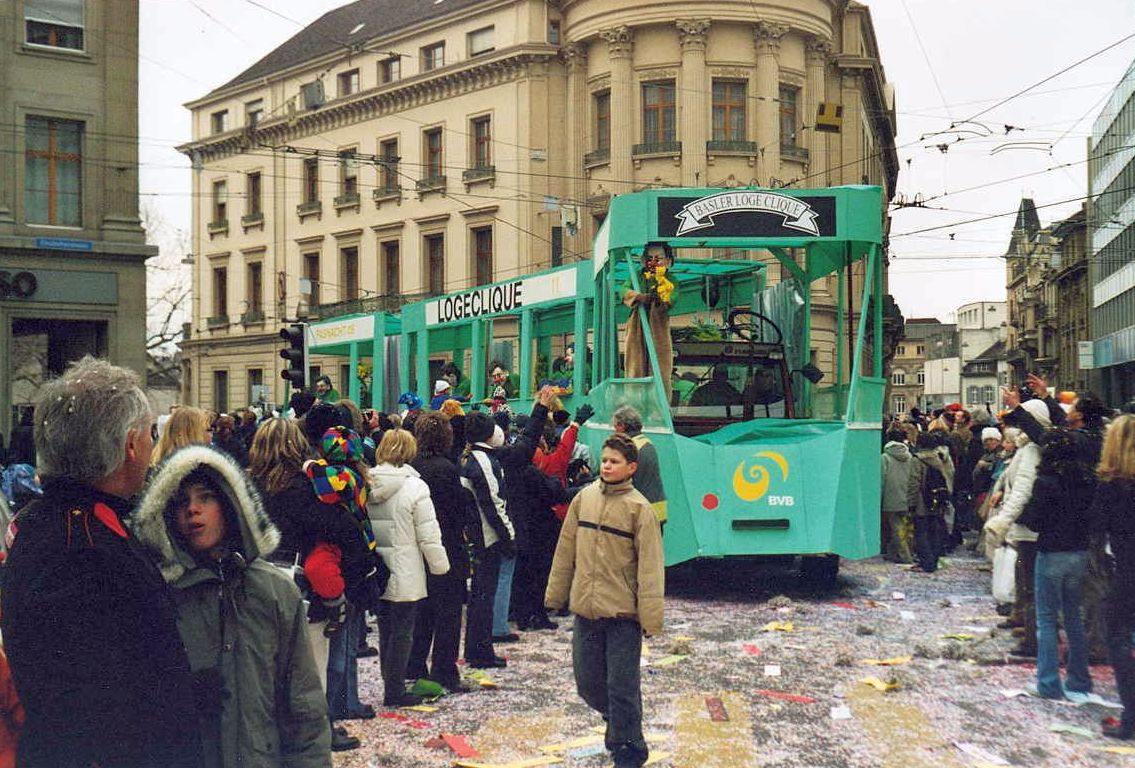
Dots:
pixel 749 325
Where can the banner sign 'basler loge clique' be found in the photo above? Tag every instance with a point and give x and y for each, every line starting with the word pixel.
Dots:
pixel 746 213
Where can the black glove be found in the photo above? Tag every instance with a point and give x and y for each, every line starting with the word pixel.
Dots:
pixel 336 615
pixel 209 692
pixel 583 413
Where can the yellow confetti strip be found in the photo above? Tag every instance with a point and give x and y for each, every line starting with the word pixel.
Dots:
pixel 645 649
pixel 779 626
pixel 706 743
pixel 667 661
pixel 1117 750
pixel 901 731
pixel 880 685
pixel 420 708
pixel 657 757
pixel 888 662
pixel 958 636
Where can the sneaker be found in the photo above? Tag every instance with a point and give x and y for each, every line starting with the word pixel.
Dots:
pixel 543 622
pixel 402 700
pixel 511 637
pixel 341 741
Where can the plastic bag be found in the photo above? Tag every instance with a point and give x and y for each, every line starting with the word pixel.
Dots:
pixel 1004 574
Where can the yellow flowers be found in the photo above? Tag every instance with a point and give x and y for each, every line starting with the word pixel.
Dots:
pixel 663 288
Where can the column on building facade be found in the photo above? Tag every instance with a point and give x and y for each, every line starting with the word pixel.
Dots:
pixel 767 37
pixel 817 50
pixel 620 49
pixel 575 56
pixel 693 88
pixel 852 163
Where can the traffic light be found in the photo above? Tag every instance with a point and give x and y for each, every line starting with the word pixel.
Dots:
pixel 296 355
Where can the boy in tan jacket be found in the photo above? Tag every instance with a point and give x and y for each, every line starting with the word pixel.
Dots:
pixel 609 558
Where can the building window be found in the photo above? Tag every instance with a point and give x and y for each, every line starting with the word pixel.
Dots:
pixel 433 159
pixel 899 403
pixel 987 394
pixel 919 350
pixel 255 382
pixel 435 265
pixel 480 41
pixel 348 82
pixel 729 111
pixel 253 195
pixel 389 165
pixel 219 121
pixel 348 173
pixel 349 271
pixel 221 391
pixel 433 56
pixel 311 180
pixel 254 113
pixel 482 142
pixel 920 377
pixel 220 292
pixel 311 273
pixel 391 271
pixel 972 393
pixel 56 23
pixel 256 288
pixel 788 115
pixel 898 378
pixel 220 201
pixel 390 70
pixel 483 255
pixel 603 120
pixel 658 125
pixel 900 350
pixel 557 246
pixel 53 178
pixel 554 31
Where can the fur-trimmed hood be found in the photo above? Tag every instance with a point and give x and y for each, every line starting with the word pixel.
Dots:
pixel 151 521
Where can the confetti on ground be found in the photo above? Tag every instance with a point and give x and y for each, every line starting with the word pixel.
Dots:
pixel 957 636
pixel 778 626
pixel 582 741
pixel 716 709
pixel 751 649
pixel 907 615
pixel 1118 750
pixel 841 712
pixel 793 697
pixel 846 606
pixel 898 596
pixel 900 732
pixel 460 746
pixel 590 751
pixel 420 708
pixel 772 670
pixel 979 753
pixel 657 757
pixel 645 649
pixel 707 743
pixel 888 662
pixel 1073 729
pixel 530 763
pixel 667 661
pixel 881 685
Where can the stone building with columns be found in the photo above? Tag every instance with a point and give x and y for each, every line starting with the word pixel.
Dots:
pixel 401 149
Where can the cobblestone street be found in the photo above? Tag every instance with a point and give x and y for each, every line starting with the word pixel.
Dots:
pixel 786 667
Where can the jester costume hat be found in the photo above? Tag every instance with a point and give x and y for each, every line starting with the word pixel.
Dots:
pixel 335 479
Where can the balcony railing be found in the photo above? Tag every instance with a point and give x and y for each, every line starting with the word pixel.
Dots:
pixel 658 148
pixel 386 192
pixel 351 199
pixel 252 219
pixel 480 173
pixel 794 152
pixel 253 317
pixel 220 321
pixel 218 227
pixel 597 157
pixel 740 147
pixel 310 208
pixel 430 184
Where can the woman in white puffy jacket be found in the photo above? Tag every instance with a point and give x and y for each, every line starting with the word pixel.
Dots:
pixel 402 516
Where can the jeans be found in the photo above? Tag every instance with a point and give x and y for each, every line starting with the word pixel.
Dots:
pixel 605 660
pixel 438 625
pixel 479 617
pixel 503 596
pixel 343 668
pixel 1059 589
pixel 928 540
pixel 1120 646
pixel 395 634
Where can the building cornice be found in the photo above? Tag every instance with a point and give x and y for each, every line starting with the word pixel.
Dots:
pixel 504 66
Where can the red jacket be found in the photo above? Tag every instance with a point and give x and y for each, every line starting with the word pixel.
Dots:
pixel 555 464
pixel 11 716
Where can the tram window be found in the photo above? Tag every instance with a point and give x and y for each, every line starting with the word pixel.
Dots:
pixel 725 391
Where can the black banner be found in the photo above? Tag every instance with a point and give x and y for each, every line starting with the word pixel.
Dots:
pixel 746 213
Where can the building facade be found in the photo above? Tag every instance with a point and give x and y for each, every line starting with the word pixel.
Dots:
pixel 1072 296
pixel 72 248
pixel 394 150
pixel 1111 241
pixel 981 326
pixel 908 366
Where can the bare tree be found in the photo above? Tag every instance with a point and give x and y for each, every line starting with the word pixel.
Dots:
pixel 169 292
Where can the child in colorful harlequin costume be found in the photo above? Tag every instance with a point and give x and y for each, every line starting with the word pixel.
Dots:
pixel 657 297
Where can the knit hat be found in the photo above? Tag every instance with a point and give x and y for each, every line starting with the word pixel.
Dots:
pixel 441 385
pixel 990 433
pixel 1038 409
pixel 497 438
pixel 478 427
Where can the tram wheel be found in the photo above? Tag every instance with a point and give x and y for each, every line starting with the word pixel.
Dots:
pixel 820 571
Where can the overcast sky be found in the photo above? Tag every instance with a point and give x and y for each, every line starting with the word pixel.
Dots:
pixel 948 62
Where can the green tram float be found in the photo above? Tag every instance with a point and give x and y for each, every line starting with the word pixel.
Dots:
pixel 759 455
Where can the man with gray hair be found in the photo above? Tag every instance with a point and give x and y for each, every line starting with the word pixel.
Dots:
pixel 648 479
pixel 89 626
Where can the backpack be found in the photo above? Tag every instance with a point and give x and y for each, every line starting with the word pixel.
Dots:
pixel 935 492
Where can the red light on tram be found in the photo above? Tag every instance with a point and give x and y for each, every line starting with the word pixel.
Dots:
pixel 709 501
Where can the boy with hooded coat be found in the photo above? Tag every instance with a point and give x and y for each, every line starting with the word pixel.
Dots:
pixel 242 620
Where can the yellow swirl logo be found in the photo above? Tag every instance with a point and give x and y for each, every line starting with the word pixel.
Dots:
pixel 751 483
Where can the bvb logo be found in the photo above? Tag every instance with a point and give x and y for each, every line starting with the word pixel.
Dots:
pixel 751 483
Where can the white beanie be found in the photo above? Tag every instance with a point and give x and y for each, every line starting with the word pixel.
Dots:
pixel 990 433
pixel 1038 409
pixel 497 439
pixel 440 386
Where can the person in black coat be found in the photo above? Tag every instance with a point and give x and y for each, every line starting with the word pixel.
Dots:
pixel 438 621
pixel 1113 516
pixel 90 627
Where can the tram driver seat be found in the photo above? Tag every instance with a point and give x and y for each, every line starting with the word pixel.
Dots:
pixel 717 391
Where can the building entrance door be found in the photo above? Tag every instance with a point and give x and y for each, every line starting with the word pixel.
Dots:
pixel 42 349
